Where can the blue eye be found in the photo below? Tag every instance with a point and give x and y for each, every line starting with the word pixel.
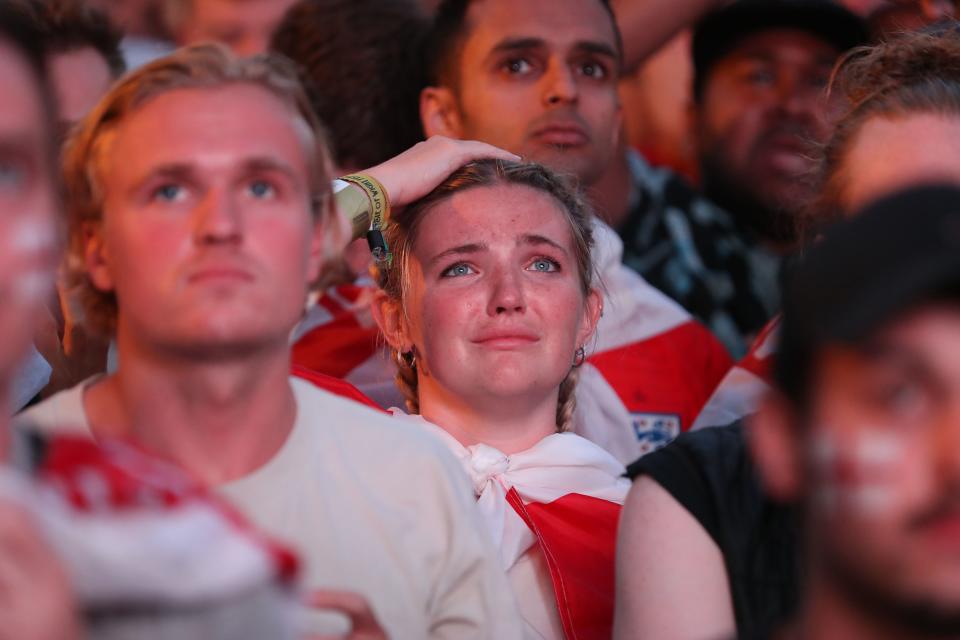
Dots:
pixel 261 189
pixel 168 192
pixel 457 270
pixel 544 265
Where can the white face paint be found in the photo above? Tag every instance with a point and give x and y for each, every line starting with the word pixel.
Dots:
pixel 856 473
pixel 28 247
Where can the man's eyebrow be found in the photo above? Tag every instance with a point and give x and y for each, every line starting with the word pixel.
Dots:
pixel 582 46
pixel 517 44
pixel 184 171
pixel 269 164
pixel 171 170
pixel 883 351
pixel 597 48
pixel 535 239
pixel 464 249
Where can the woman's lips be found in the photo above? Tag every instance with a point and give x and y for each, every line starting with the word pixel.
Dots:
pixel 506 340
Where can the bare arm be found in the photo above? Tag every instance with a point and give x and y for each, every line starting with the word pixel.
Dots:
pixel 36 601
pixel 647 25
pixel 667 562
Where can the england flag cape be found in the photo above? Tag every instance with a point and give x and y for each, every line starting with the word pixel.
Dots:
pixel 137 536
pixel 648 373
pixel 739 393
pixel 564 494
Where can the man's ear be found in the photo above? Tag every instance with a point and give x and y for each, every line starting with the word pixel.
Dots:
pixel 592 310
pixel 388 314
pixel 439 113
pixel 96 258
pixel 325 240
pixel 775 442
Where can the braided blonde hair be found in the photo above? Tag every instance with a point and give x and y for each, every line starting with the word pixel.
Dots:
pixel 401 233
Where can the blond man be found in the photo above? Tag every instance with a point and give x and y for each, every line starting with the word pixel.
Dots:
pixel 200 211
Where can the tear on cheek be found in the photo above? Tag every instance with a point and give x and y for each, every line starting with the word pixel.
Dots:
pixel 856 474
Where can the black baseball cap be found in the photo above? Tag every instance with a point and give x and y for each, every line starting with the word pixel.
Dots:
pixel 867 270
pixel 719 32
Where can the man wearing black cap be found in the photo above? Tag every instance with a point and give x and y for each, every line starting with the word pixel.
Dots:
pixel 855 520
pixel 761 69
pixel 863 430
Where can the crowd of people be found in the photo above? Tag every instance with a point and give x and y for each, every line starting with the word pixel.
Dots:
pixel 378 319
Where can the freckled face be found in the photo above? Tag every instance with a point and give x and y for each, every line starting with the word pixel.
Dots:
pixel 885 461
pixel 495 307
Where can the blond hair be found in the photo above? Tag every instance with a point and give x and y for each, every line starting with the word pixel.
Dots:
pixel 401 234
pixel 206 66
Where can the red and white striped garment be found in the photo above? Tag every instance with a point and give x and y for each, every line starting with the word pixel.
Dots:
pixel 552 513
pixel 739 393
pixel 136 535
pixel 649 371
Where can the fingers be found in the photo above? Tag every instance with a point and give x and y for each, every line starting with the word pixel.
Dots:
pixel 418 170
pixel 474 150
pixel 36 601
pixel 20 541
pixel 469 150
pixel 363 622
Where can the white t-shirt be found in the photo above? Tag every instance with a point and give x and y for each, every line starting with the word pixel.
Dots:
pixel 374 506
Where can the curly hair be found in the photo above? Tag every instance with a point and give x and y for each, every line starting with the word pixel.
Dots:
pixel 910 74
pixel 401 234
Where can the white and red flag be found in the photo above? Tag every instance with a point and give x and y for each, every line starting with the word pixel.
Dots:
pixel 564 495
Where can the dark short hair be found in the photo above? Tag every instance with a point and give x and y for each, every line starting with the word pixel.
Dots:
pixel 444 42
pixel 20 30
pixel 69 25
pixel 720 32
pixel 360 62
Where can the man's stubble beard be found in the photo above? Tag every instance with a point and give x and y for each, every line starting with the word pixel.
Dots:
pixel 774 222
pixel 871 593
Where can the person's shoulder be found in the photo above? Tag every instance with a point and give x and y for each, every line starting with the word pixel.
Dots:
pixel 60 413
pixel 364 432
pixel 702 447
pixel 709 472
